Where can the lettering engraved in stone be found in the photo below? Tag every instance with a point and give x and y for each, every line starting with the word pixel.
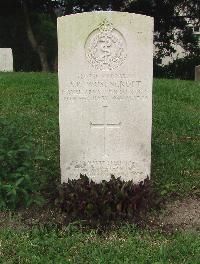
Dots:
pixel 91 167
pixel 105 95
pixel 105 47
pixel 92 87
pixel 105 125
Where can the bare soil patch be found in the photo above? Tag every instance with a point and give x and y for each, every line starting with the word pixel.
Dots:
pixel 181 215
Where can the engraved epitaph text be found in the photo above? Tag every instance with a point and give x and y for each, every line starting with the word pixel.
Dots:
pixel 105 66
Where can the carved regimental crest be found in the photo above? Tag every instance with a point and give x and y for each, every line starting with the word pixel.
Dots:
pixel 105 47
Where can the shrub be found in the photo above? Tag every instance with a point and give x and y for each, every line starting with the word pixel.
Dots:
pixel 16 159
pixel 113 200
pixel 182 68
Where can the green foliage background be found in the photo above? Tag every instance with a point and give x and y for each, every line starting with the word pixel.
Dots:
pixel 43 14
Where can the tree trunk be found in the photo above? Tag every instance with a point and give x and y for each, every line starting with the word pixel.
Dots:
pixel 34 43
pixel 51 11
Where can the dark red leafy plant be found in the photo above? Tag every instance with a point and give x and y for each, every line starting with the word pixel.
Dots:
pixel 107 201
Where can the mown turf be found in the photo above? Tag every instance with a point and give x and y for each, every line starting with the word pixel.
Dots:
pixel 127 245
pixel 30 101
pixel 176 136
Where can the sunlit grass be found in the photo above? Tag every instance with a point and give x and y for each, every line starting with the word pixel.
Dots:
pixel 126 245
pixel 30 100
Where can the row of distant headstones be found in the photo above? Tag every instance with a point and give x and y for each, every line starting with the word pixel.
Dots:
pixel 6 62
pixel 197 73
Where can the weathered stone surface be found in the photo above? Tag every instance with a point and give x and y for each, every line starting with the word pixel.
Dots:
pixel 197 73
pixel 105 95
pixel 6 60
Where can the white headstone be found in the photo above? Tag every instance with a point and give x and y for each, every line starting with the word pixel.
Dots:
pixel 6 60
pixel 105 95
pixel 197 73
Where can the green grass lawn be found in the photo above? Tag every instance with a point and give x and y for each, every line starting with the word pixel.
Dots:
pixel 176 136
pixel 29 101
pixel 126 245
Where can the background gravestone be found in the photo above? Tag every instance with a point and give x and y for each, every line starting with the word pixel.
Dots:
pixel 6 60
pixel 197 73
pixel 105 95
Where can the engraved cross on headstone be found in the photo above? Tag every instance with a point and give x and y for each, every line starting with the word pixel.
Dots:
pixel 105 125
